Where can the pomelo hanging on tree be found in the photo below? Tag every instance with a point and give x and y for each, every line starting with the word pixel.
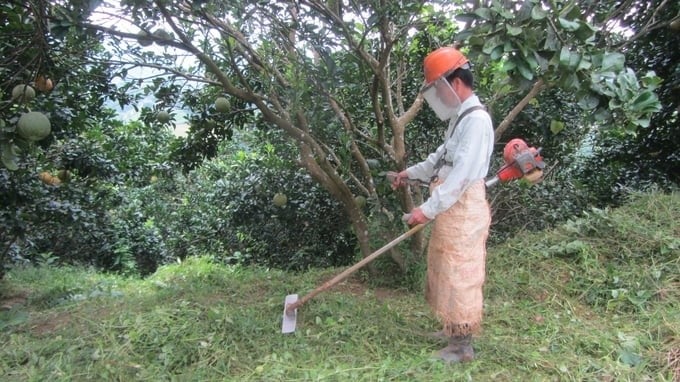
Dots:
pixel 222 105
pixel 23 93
pixel 43 84
pixel 33 126
pixel 280 199
pixel 163 116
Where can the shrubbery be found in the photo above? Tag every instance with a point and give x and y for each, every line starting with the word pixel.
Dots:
pixel 74 214
pixel 226 209
pixel 517 206
pixel 124 208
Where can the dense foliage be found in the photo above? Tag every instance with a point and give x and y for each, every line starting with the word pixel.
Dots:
pixel 228 208
pixel 71 220
pixel 651 158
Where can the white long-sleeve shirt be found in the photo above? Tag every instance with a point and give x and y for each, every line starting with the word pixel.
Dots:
pixel 468 157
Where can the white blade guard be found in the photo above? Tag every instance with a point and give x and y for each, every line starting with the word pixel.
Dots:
pixel 289 319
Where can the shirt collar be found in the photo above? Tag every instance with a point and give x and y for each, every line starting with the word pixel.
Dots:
pixel 471 101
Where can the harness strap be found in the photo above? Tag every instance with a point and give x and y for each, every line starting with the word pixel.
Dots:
pixel 441 161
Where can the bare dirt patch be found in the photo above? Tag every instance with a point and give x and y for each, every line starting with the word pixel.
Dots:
pixel 9 302
pixel 356 287
pixel 53 323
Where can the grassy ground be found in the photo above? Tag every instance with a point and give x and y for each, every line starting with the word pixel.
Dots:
pixel 596 299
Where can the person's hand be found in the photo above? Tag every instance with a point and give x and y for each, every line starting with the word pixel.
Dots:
pixel 417 217
pixel 399 179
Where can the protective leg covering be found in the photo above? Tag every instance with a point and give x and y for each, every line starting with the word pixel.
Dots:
pixel 458 350
pixel 456 263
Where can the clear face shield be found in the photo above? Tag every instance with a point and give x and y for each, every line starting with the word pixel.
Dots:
pixel 442 98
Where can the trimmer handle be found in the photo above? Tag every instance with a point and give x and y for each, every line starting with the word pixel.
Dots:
pixel 391 176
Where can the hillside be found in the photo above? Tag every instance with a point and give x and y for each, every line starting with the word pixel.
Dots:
pixel 594 299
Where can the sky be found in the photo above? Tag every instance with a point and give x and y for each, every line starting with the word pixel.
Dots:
pixel 109 15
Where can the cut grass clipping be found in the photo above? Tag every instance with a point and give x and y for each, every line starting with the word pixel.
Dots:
pixel 594 300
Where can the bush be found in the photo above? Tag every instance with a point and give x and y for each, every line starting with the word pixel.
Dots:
pixel 517 206
pixel 65 221
pixel 226 209
pixel 89 216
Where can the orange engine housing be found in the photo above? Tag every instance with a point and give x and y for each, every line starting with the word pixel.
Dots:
pixel 520 159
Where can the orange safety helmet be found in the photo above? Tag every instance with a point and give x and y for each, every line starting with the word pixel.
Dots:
pixel 442 62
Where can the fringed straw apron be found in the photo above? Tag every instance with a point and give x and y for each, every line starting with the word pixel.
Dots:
pixel 456 262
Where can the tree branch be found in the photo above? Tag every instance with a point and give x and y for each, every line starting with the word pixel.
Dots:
pixel 649 26
pixel 505 124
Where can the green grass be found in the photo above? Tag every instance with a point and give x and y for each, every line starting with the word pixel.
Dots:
pixel 593 300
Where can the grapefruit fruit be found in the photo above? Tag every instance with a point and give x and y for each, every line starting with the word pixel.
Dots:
pixel 33 126
pixel 23 93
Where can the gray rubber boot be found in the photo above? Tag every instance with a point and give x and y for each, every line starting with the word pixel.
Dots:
pixel 458 350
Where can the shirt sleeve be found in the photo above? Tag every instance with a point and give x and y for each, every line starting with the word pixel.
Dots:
pixel 424 170
pixel 466 161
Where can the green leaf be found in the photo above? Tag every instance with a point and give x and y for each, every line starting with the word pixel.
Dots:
pixel 476 41
pixel 509 65
pixel 650 80
pixel 552 43
pixel 524 12
pixel 543 62
pixel 570 81
pixel 491 44
pixel 570 11
pixel 576 247
pixel 602 83
pixel 585 31
pixel 484 13
pixel 467 35
pixel 524 70
pixel 569 59
pixel 8 156
pixel 531 61
pixel 10 163
pixel 642 122
pixel 556 126
pixel 513 30
pixel 640 298
pixel 614 103
pixel 565 54
pixel 584 64
pixel 630 78
pixel 646 102
pixel 574 60
pixel 587 101
pixel 613 61
pixel 538 13
pixel 497 53
pixel 12 318
pixel 506 14
pixel 568 25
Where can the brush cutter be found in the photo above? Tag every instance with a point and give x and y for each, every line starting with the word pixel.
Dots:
pixel 521 161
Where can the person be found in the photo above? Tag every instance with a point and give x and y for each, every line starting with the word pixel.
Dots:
pixel 456 170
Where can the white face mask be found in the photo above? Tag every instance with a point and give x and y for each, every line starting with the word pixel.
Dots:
pixel 442 99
